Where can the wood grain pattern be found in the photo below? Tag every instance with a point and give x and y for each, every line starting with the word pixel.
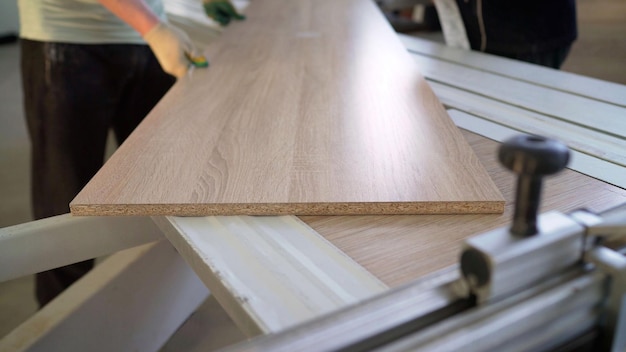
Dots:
pixel 398 249
pixel 268 272
pixel 309 107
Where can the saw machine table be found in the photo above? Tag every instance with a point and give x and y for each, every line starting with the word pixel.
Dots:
pixel 137 299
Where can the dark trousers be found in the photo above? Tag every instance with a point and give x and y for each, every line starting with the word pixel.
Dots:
pixel 73 95
pixel 553 58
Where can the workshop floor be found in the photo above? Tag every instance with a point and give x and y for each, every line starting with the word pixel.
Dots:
pixel 599 52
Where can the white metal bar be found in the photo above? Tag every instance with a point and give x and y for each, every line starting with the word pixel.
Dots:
pixel 269 273
pixel 579 138
pixel 576 109
pixel 608 92
pixel 61 240
pixel 133 301
pixel 586 164
pixel 539 318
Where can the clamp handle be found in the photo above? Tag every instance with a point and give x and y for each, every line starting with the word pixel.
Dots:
pixel 531 158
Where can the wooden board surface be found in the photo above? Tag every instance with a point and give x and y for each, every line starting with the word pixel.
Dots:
pixel 309 107
pixel 398 249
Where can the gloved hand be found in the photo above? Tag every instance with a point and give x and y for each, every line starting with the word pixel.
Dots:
pixel 172 48
pixel 222 11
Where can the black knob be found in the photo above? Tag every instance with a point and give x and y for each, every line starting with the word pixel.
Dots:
pixel 531 158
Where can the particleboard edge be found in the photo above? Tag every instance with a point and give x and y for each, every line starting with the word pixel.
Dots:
pixel 303 209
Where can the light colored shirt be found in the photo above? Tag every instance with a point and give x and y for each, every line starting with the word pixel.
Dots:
pixel 77 21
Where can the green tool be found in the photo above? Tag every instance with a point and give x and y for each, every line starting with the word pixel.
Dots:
pixel 198 61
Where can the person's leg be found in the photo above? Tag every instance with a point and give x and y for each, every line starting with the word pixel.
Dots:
pixel 142 90
pixel 67 113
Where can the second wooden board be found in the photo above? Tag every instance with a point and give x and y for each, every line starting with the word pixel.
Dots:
pixel 309 107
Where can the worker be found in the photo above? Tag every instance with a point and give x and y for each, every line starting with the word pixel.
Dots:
pixel 536 31
pixel 88 67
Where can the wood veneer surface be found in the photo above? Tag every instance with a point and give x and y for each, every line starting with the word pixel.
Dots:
pixel 309 107
pixel 398 249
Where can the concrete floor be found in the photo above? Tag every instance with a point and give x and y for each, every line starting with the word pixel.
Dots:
pixel 600 52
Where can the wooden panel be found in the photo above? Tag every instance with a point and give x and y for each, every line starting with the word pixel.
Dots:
pixel 398 249
pixel 269 273
pixel 309 107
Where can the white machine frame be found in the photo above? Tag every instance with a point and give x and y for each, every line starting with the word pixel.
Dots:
pixel 273 273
